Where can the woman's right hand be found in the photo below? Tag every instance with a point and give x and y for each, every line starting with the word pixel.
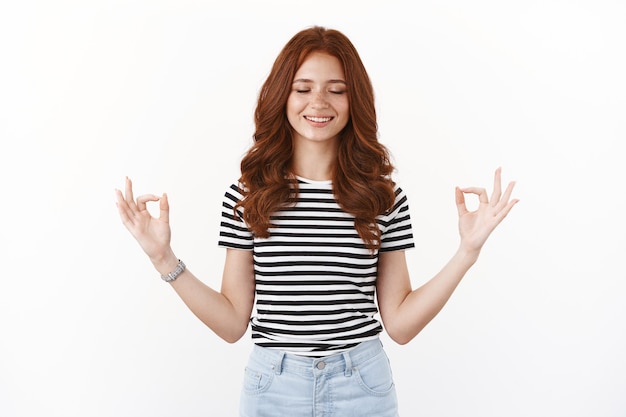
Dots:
pixel 153 234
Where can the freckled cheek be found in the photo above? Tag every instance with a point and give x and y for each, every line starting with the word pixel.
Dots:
pixel 294 108
pixel 341 102
pixel 296 104
pixel 344 109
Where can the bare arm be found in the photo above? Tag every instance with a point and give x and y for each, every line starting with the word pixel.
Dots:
pixel 227 312
pixel 405 312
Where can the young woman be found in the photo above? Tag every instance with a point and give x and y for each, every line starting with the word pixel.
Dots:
pixel 315 231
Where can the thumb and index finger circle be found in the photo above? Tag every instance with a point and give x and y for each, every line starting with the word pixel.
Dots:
pixel 142 200
pixel 460 197
pixel 480 192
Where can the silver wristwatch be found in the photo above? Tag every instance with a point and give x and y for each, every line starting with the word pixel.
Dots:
pixel 175 273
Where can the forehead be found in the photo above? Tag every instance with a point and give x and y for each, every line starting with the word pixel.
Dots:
pixel 320 65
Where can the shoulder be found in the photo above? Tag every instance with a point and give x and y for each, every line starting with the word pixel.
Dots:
pixel 401 197
pixel 234 191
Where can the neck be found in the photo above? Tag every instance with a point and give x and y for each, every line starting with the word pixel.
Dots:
pixel 314 161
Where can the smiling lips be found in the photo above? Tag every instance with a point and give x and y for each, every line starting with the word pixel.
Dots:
pixel 318 119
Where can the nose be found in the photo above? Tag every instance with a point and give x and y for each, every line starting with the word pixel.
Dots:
pixel 319 101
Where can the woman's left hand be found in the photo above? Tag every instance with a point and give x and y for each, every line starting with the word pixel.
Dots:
pixel 476 226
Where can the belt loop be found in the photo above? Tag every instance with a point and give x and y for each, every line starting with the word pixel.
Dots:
pixel 348 360
pixel 278 367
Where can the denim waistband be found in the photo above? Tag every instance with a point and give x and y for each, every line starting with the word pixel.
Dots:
pixel 340 362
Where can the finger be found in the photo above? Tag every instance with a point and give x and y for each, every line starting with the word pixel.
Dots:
pixel 505 211
pixel 143 199
pixel 497 187
pixel 130 199
pixel 123 209
pixel 118 196
pixel 164 207
pixel 506 196
pixel 460 201
pixel 480 192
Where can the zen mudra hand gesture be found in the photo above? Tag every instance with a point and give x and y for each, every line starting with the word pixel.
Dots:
pixel 152 233
pixel 476 226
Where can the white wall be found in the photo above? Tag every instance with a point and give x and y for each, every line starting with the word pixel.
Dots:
pixel 163 91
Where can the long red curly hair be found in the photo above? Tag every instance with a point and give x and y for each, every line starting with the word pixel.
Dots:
pixel 362 183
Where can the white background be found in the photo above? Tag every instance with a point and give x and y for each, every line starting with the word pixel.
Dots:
pixel 164 91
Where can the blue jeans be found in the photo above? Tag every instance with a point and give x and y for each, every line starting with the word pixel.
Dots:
pixel 355 383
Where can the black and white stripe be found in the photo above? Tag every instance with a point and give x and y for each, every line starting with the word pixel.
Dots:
pixel 315 279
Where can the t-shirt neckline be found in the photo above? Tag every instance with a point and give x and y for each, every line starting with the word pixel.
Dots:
pixel 310 181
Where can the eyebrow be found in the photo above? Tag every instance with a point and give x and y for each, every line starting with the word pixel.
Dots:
pixel 306 80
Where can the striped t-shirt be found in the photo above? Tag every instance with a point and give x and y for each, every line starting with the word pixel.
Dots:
pixel 315 279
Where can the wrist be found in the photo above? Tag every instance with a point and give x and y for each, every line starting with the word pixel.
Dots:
pixel 467 255
pixel 165 263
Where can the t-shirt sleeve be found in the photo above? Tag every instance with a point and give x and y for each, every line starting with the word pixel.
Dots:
pixel 397 232
pixel 233 231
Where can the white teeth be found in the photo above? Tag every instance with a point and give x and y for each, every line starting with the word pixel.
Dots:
pixel 319 119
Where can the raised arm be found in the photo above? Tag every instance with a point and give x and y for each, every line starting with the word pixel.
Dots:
pixel 404 311
pixel 226 312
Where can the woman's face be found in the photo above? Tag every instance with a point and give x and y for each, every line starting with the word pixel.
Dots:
pixel 318 107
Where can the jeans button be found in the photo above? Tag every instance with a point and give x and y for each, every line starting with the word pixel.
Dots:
pixel 321 365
